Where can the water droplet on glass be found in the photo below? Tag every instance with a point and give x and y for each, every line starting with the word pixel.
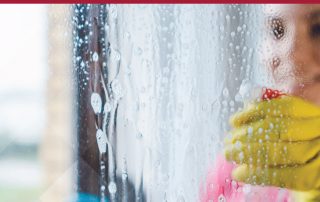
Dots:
pixel 221 28
pixel 238 145
pixel 95 57
pixel 127 35
pixel 232 109
pixel 116 89
pixel 271 126
pixel 96 103
pixel 124 176
pixel 116 55
pixel 285 148
pixel 101 141
pixel 241 156
pixel 234 184
pixel 138 51
pixel 224 103
pixel 238 98
pixel 112 187
pixel 245 89
pixel 107 27
pixel 107 107
pixel 113 11
pixel 128 70
pixel 139 135
pixel 246 188
pixel 227 181
pixel 82 64
pixel 231 103
pixel 222 198
pixel 225 92
pixel 102 188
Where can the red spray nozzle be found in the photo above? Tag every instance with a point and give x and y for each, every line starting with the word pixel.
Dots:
pixel 269 94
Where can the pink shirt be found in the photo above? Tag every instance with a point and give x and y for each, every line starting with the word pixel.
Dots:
pixel 221 188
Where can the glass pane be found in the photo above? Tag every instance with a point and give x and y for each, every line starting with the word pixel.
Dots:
pixel 157 85
pixel 106 102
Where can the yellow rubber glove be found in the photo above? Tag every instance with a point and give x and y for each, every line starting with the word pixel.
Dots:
pixel 277 142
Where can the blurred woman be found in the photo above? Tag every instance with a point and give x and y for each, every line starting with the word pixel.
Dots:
pixel 276 139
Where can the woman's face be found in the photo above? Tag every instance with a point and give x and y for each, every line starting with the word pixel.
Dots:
pixel 293 48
